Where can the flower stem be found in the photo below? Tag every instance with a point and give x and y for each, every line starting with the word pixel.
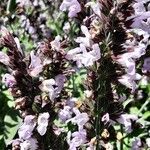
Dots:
pixel 121 141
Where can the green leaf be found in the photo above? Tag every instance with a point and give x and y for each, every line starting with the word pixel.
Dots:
pixel 12 122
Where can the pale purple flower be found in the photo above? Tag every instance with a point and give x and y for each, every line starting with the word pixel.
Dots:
pixel 126 61
pixel 43 120
pixel 30 144
pixel 9 80
pixel 95 7
pixel 66 27
pixel 136 144
pixel 139 8
pixel 128 82
pixel 141 21
pixel 82 57
pixel 76 139
pixel 55 44
pixel 71 102
pixel 18 45
pixel 88 93
pixel 35 66
pixel 24 3
pixel 105 118
pixel 59 81
pixel 4 58
pixel 73 7
pixel 65 113
pixel 80 119
pixel 126 119
pixel 48 86
pixel 148 142
pixel 146 65
pixel 139 50
pixel 25 131
pixel 86 41
pixel 144 81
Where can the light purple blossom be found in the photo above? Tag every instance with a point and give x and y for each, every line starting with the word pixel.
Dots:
pixel 95 7
pixel 65 114
pixel 146 65
pixel 82 57
pixel 43 120
pixel 25 131
pixel 30 144
pixel 105 118
pixel 73 7
pixel 4 58
pixel 136 144
pixel 48 86
pixel 148 142
pixel 139 7
pixel 76 139
pixel 87 40
pixel 59 81
pixel 128 82
pixel 141 21
pixel 80 119
pixel 126 119
pixel 66 27
pixel 35 66
pixel 55 44
pixel 9 80
pixel 71 102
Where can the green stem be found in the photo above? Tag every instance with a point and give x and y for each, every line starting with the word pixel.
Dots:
pixel 143 106
pixel 121 141
pixel 97 123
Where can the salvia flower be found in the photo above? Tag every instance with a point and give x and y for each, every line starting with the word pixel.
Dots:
pixel 9 80
pixel 4 58
pixel 141 21
pixel 72 6
pixel 43 120
pixel 65 113
pixel 59 81
pixel 76 139
pixel 55 44
pixel 30 144
pixel 83 57
pixel 95 7
pixel 126 120
pixel 25 131
pixel 105 118
pixel 48 86
pixel 80 119
pixel 35 66
pixel 136 144
pixel 146 65
pixel 87 40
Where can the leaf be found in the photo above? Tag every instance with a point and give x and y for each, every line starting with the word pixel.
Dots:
pixel 12 122
pixel 11 6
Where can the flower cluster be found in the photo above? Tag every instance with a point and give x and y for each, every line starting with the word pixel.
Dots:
pixel 110 44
